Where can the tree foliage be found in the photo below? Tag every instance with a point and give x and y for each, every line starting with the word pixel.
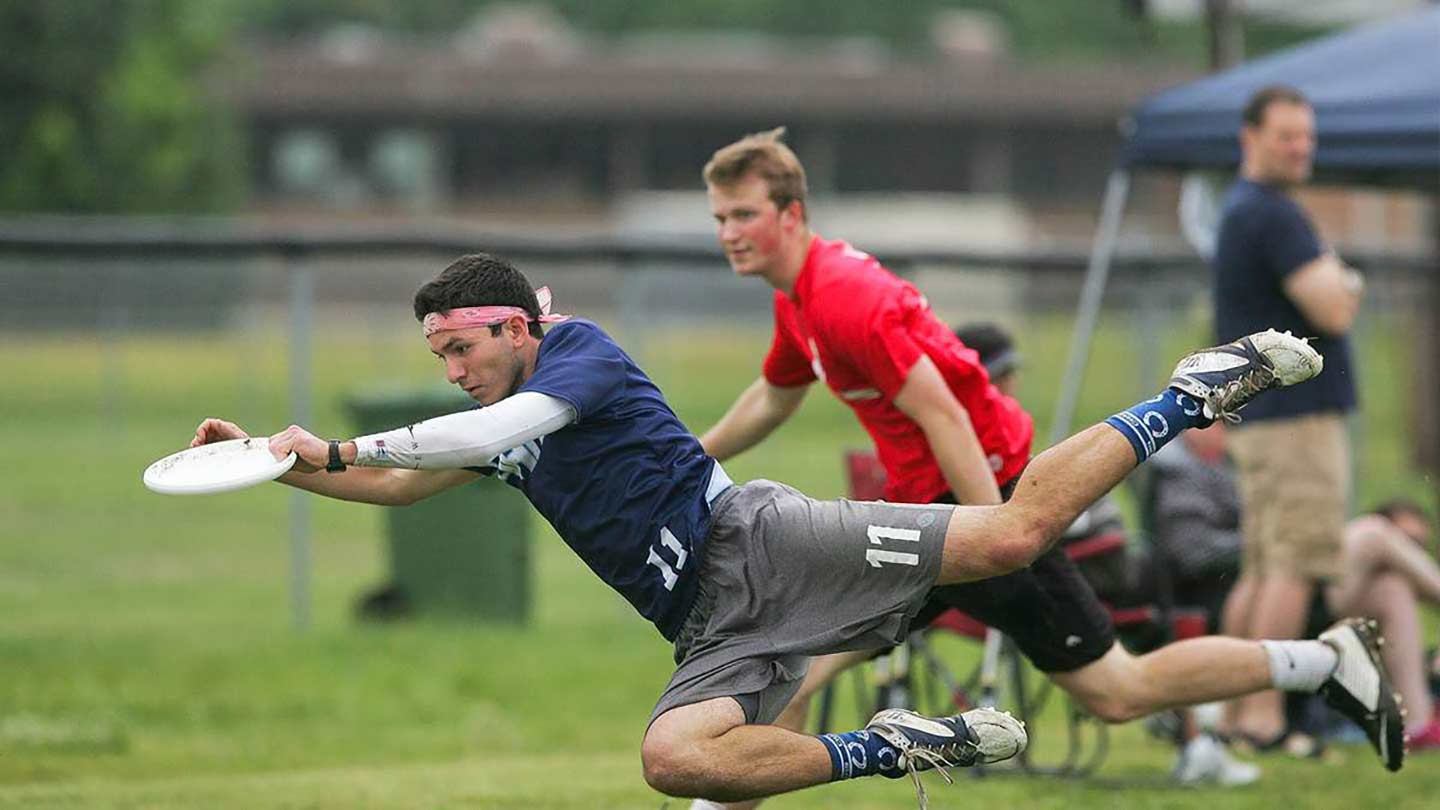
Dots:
pixel 105 110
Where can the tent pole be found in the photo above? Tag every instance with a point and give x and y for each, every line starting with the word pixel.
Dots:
pixel 1117 189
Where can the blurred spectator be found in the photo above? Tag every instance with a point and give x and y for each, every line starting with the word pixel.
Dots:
pixel 1195 523
pixel 1389 569
pixel 1194 511
pixel 997 353
pixel 1292 451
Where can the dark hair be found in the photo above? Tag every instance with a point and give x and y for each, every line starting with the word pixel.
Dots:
pixel 1395 507
pixel 994 345
pixel 1254 113
pixel 479 280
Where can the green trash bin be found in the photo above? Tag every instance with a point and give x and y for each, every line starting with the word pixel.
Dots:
pixel 466 551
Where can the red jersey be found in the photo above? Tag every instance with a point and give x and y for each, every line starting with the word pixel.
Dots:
pixel 855 325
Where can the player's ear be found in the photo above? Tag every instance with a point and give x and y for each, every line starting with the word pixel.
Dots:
pixel 516 328
pixel 794 213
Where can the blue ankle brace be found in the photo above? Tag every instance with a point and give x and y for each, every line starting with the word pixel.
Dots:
pixel 1149 425
pixel 860 753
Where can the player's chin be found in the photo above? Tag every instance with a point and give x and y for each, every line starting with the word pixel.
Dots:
pixel 488 396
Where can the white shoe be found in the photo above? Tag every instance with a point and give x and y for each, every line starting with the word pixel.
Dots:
pixel 1204 760
pixel 977 737
pixel 1225 378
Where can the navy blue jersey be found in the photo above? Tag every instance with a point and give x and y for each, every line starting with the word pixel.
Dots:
pixel 626 485
pixel 1264 237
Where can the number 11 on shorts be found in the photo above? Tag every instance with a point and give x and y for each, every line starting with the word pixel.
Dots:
pixel 879 556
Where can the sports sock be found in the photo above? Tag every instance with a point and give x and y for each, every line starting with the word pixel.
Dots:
pixel 703 804
pixel 1300 666
pixel 1151 424
pixel 860 753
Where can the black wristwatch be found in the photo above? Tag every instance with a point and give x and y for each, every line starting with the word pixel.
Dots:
pixel 335 464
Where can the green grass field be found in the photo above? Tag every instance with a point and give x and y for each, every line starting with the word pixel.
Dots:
pixel 147 658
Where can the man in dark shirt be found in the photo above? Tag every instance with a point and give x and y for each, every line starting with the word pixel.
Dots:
pixel 1292 452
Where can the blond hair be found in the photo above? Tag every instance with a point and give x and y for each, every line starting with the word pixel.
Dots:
pixel 765 155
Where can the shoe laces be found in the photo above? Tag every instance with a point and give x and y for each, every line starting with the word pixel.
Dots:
pixel 939 757
pixel 1244 387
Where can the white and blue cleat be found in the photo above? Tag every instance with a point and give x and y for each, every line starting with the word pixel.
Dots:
pixel 1225 378
pixel 977 737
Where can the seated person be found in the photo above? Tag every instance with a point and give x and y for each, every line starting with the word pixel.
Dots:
pixel 1195 541
pixel 1389 569
pixel 1195 525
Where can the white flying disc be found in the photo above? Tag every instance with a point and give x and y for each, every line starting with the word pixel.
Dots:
pixel 217 467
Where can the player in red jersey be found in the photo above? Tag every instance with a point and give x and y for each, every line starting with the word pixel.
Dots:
pixel 943 433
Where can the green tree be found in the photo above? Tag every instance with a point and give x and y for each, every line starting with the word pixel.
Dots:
pixel 104 108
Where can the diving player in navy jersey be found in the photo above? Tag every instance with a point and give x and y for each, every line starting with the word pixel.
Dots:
pixel 750 580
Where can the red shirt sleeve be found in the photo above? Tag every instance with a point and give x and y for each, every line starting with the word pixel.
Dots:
pixel 786 364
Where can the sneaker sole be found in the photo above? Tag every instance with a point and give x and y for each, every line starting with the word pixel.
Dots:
pixel 998 735
pixel 1293 359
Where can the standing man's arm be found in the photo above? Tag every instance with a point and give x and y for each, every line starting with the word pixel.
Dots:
pixel 1327 293
pixel 756 413
pixel 929 402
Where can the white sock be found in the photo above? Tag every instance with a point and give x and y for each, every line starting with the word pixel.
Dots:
pixel 703 804
pixel 1300 666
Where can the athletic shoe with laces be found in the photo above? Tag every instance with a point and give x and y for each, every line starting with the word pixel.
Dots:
pixel 977 737
pixel 1225 378
pixel 1360 689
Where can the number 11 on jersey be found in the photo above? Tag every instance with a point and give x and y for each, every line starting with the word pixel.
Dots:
pixel 671 542
pixel 879 556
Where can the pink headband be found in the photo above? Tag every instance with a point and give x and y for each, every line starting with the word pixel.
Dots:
pixel 470 317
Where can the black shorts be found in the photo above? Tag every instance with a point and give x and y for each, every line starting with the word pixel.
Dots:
pixel 1048 609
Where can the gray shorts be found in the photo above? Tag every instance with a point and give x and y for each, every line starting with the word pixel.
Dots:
pixel 786 577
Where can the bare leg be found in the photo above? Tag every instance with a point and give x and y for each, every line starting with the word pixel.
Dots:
pixel 706 749
pixel 1282 602
pixel 1121 687
pixel 823 670
pixel 1059 484
pixel 1239 607
pixel 1390 600
pixel 1374 546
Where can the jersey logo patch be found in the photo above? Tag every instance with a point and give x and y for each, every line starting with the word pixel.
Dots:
pixel 518 463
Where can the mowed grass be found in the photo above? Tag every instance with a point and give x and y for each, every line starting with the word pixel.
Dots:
pixel 148 658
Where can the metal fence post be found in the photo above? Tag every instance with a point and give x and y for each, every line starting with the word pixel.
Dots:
pixel 302 303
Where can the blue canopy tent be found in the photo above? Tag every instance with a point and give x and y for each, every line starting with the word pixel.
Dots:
pixel 1376 94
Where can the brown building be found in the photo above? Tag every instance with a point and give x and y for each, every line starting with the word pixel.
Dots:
pixel 524 115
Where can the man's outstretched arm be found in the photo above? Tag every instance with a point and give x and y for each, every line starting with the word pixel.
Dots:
pixel 377 485
pixel 756 413
pixel 409 464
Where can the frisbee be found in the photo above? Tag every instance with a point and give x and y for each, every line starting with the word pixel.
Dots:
pixel 217 467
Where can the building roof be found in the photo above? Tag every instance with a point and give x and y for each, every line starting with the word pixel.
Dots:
pixel 412 78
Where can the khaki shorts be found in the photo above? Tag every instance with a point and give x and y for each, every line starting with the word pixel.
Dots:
pixel 1294 493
